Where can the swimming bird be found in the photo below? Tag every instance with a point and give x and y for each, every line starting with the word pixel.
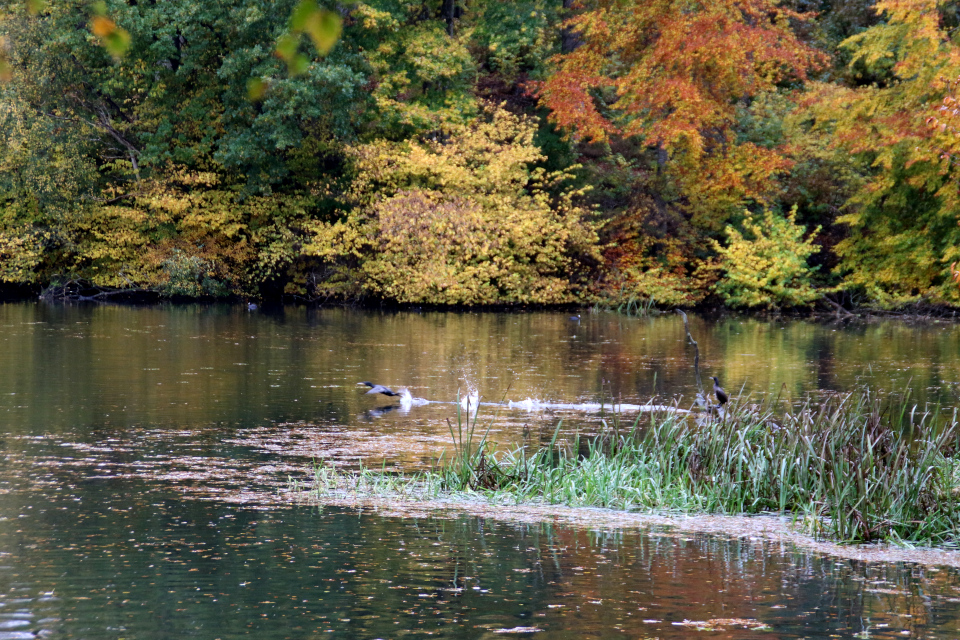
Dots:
pixel 379 388
pixel 719 392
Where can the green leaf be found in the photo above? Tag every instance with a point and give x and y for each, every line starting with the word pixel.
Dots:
pixel 36 6
pixel 302 14
pixel 6 69
pixel 287 47
pixel 298 65
pixel 324 29
pixel 256 89
pixel 117 43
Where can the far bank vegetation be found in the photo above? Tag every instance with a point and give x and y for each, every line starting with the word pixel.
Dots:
pixel 470 152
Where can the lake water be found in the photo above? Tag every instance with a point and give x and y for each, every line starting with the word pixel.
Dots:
pixel 145 452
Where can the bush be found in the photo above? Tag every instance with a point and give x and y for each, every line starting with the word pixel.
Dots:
pixel 190 276
pixel 770 268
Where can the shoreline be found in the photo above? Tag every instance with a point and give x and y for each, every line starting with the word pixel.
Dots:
pixel 933 313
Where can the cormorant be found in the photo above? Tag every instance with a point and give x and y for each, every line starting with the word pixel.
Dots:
pixel 379 388
pixel 719 392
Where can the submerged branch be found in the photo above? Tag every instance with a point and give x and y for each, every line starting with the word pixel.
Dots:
pixel 696 355
pixel 81 291
pixel 836 305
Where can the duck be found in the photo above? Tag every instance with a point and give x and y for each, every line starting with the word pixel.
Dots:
pixel 379 388
pixel 719 392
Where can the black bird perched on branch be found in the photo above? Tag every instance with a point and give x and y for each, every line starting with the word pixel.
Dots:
pixel 379 388
pixel 719 392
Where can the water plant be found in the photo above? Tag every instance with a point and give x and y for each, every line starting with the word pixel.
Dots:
pixel 331 481
pixel 473 464
pixel 637 307
pixel 629 305
pixel 855 468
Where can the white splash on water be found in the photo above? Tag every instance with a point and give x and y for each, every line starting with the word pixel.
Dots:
pixel 470 403
pixel 527 405
pixel 407 400
pixel 531 404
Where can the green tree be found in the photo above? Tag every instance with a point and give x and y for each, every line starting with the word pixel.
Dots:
pixel 179 94
pixel 902 222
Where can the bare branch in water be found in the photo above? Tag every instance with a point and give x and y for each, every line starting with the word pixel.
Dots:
pixel 696 354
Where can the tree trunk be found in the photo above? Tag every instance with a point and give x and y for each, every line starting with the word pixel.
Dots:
pixel 449 11
pixel 569 39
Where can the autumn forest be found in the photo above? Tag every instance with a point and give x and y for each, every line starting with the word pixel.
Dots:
pixel 751 154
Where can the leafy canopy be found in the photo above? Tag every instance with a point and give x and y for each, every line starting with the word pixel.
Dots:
pixel 466 219
pixel 902 222
pixel 672 72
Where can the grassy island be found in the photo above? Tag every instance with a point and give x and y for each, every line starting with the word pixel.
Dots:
pixel 856 468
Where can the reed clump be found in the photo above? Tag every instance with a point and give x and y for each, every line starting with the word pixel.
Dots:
pixel 855 468
pixel 628 305
pixel 366 482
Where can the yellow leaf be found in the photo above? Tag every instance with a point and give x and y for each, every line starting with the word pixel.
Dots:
pixel 102 26
pixel 114 39
pixel 287 47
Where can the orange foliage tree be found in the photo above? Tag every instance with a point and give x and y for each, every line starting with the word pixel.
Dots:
pixel 673 73
pixel 944 132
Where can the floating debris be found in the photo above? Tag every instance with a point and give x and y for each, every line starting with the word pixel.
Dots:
pixel 721 624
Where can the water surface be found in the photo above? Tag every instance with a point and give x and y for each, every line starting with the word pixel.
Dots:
pixel 146 452
pixel 100 368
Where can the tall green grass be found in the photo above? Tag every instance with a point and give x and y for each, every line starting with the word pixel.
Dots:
pixel 637 307
pixel 473 464
pixel 854 469
pixel 628 305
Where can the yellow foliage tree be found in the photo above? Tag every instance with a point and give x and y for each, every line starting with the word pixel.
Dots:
pixel 902 221
pixel 21 252
pixel 770 269
pixel 180 234
pixel 465 218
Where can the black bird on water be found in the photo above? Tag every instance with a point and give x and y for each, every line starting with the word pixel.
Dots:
pixel 379 388
pixel 719 392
